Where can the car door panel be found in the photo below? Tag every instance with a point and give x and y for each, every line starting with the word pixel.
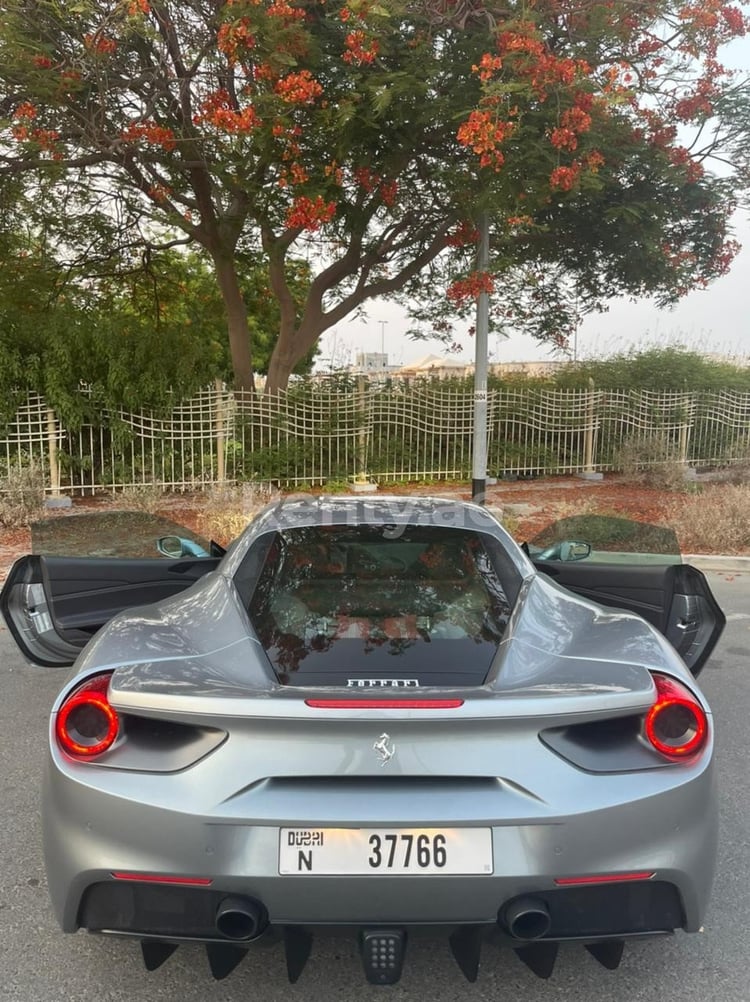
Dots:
pixel 675 598
pixel 54 605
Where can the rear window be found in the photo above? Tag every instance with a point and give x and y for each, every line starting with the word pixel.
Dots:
pixel 390 605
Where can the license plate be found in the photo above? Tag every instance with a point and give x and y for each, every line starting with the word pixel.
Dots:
pixel 395 851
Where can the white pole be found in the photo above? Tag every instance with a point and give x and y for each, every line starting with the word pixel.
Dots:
pixel 479 450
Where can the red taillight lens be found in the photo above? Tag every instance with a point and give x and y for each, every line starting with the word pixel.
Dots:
pixel 676 725
pixel 86 723
pixel 384 704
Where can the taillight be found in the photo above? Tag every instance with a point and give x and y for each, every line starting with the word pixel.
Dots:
pixel 676 725
pixel 86 723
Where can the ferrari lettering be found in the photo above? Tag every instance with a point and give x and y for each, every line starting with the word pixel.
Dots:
pixel 382 683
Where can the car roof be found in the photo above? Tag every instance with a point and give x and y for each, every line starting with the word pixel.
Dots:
pixel 305 510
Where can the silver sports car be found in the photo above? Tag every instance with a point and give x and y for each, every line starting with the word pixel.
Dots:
pixel 379 714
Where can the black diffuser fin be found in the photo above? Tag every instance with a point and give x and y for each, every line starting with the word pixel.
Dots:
pixel 297 946
pixel 155 953
pixel 223 958
pixel 466 947
pixel 608 952
pixel 539 957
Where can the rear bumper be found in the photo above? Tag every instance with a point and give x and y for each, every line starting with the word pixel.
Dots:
pixel 584 913
pixel 89 834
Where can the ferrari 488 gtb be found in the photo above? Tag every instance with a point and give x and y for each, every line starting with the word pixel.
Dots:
pixel 380 714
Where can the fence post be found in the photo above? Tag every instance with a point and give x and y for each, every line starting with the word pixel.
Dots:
pixel 219 422
pixel 588 472
pixel 360 483
pixel 362 445
pixel 54 460
pixel 683 444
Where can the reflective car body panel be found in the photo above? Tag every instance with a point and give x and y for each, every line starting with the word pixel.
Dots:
pixel 220 757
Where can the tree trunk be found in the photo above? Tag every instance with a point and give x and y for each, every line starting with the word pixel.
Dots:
pixel 281 363
pixel 291 348
pixel 237 328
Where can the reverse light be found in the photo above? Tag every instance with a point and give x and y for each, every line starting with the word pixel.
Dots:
pixel 87 724
pixel 676 725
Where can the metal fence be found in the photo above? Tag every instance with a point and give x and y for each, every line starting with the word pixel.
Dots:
pixel 345 429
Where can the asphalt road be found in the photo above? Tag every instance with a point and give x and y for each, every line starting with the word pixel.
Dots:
pixel 39 964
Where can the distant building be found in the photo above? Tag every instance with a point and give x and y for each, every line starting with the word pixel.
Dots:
pixel 444 368
pixel 370 361
pixel 434 366
pixel 546 368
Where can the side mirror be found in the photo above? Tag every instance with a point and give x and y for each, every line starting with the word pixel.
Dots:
pixel 574 550
pixel 176 547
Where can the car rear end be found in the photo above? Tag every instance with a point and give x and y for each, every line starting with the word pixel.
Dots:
pixel 534 815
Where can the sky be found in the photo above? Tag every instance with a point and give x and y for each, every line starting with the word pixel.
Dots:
pixel 714 320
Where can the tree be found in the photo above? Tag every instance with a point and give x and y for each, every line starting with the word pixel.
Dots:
pixel 152 335
pixel 368 135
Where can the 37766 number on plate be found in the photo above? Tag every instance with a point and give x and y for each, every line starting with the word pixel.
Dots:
pixel 393 851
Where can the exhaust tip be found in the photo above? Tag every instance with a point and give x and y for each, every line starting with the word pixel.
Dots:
pixel 526 918
pixel 241 919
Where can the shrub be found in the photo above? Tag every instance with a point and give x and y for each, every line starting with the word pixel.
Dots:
pixel 657 369
pixel 651 460
pixel 716 521
pixel 143 497
pixel 21 497
pixel 225 511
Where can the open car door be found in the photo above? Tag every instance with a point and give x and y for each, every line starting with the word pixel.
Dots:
pixel 54 604
pixel 638 567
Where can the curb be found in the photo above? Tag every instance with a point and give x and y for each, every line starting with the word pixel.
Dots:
pixel 716 562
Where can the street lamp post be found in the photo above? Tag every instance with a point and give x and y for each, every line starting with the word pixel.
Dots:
pixel 479 449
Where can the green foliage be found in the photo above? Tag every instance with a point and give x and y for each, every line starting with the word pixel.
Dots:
pixel 146 332
pixel 360 135
pixel 656 369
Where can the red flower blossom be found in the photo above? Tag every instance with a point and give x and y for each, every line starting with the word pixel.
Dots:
pixel 465 233
pixel 306 214
pixel 484 133
pixel 388 192
pixel 360 49
pixel 47 139
pixel 465 289
pixel 218 110
pixel 157 135
pixel 488 65
pixel 565 178
pixel 366 178
pixel 25 111
pixel 298 88
pixel 285 11
pixel 234 39
pixel 102 45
